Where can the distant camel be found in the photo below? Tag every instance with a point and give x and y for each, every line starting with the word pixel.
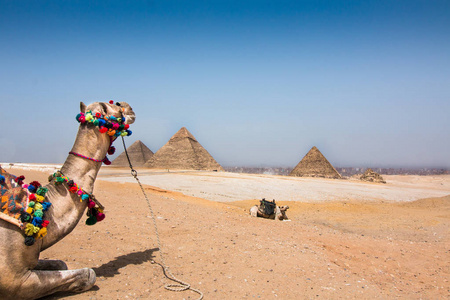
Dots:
pixel 23 274
pixel 269 210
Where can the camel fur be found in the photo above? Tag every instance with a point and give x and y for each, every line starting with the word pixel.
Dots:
pixel 23 275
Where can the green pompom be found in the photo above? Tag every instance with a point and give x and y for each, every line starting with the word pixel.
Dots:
pixel 91 220
pixel 41 191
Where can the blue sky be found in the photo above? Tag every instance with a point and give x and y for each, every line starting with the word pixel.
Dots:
pixel 258 83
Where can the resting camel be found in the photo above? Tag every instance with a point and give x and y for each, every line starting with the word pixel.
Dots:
pixel 276 213
pixel 23 275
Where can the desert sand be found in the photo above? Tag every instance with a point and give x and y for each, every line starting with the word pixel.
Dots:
pixel 345 238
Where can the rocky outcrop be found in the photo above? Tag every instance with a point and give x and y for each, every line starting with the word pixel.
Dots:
pixel 371 176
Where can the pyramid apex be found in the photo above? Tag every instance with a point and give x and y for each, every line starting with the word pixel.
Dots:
pixel 183 133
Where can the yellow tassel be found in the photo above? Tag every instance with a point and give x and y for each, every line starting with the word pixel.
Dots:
pixel 29 229
pixel 30 210
pixel 42 232
pixel 40 198
pixel 38 206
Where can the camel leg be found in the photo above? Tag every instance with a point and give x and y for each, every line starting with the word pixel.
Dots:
pixel 254 211
pixel 43 283
pixel 50 265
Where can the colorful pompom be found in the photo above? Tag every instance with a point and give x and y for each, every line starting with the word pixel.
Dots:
pixel 31 188
pixel 91 220
pixel 40 198
pixel 37 221
pixel 42 232
pixel 100 217
pixel 25 217
pixel 111 150
pixel 46 206
pixel 41 191
pixel 29 229
pixel 35 183
pixel 29 240
pixel 19 179
pixel 91 204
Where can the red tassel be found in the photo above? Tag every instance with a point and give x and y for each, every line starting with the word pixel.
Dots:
pixel 111 150
pixel 106 161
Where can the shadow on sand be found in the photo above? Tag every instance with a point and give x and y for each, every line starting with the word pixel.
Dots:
pixel 111 269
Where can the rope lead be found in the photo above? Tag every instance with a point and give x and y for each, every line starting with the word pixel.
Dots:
pixel 181 285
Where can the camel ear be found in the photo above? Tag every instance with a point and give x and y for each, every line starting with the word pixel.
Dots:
pixel 82 107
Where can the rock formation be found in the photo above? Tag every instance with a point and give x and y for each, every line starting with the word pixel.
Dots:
pixel 371 176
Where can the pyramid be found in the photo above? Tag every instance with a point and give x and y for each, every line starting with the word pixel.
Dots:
pixel 139 155
pixel 183 152
pixel 314 164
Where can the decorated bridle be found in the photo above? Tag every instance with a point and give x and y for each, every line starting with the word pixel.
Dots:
pixel 111 125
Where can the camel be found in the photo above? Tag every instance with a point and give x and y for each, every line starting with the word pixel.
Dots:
pixel 23 275
pixel 273 212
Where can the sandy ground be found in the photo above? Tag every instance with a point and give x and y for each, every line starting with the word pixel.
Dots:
pixel 345 239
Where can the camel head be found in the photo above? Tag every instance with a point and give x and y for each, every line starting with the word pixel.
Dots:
pixel 118 109
pixel 284 208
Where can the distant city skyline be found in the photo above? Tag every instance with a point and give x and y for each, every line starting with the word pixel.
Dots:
pixel 258 83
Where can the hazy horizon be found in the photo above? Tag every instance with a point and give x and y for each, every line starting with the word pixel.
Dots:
pixel 258 83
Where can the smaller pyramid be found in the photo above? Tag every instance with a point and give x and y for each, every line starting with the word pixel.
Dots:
pixel 183 152
pixel 372 176
pixel 314 164
pixel 139 154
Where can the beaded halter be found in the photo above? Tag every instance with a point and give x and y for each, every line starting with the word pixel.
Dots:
pixel 111 125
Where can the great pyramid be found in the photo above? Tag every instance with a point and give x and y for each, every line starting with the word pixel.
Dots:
pixel 183 152
pixel 139 155
pixel 314 164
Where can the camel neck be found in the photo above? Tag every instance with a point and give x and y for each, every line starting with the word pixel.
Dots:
pixel 90 143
